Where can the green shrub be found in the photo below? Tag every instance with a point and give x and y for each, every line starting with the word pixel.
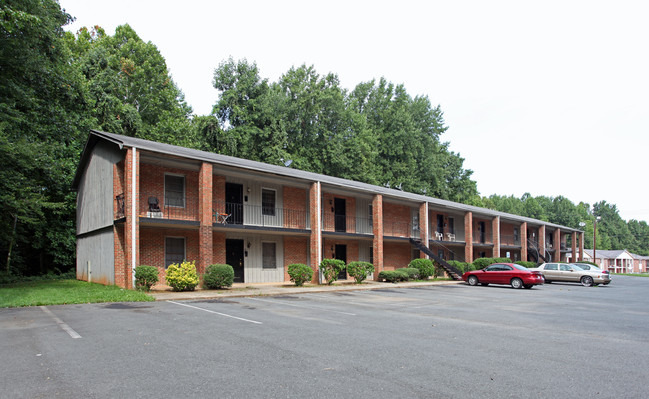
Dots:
pixel 481 263
pixel 218 276
pixel 330 268
pixel 526 264
pixel 413 272
pixel 425 267
pixel 360 270
pixel 461 266
pixel 145 277
pixel 393 276
pixel 300 273
pixel 502 260
pixel 182 277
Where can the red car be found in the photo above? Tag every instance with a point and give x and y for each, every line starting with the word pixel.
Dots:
pixel 504 273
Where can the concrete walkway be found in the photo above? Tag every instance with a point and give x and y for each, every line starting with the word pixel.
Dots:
pixel 271 289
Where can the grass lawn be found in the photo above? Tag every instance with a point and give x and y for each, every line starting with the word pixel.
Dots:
pixel 632 274
pixel 62 292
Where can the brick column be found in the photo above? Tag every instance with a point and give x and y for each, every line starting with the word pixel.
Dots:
pixel 523 237
pixel 468 237
pixel 377 230
pixel 205 243
pixel 423 227
pixel 574 246
pixel 557 245
pixel 124 278
pixel 581 247
pixel 541 243
pixel 495 234
pixel 315 214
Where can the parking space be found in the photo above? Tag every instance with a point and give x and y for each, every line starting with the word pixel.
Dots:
pixel 436 341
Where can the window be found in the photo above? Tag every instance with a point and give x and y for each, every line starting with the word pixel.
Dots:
pixel 551 266
pixel 174 250
pixel 516 235
pixel 268 202
pixel 175 190
pixel 269 259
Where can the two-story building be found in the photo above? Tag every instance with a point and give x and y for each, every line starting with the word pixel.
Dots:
pixel 143 202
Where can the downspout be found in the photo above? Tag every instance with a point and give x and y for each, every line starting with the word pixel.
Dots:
pixel 319 228
pixel 133 216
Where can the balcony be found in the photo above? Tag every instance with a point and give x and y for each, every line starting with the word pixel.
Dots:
pixel 346 224
pixel 400 229
pixel 229 213
pixel 482 238
pixel 152 207
pixel 510 240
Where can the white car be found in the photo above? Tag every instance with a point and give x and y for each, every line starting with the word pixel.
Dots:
pixel 573 274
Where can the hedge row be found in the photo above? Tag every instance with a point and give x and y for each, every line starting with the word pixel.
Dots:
pixel 183 277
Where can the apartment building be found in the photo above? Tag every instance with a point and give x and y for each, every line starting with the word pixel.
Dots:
pixel 143 202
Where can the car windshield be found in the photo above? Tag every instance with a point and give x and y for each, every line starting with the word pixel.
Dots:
pixel 519 267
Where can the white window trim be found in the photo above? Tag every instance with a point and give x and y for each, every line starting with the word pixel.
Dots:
pixel 165 249
pixel 184 190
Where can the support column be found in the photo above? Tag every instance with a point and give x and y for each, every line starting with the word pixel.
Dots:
pixel 523 236
pixel 423 227
pixel 315 244
pixel 468 237
pixel 495 234
pixel 124 278
pixel 541 243
pixel 377 230
pixel 581 246
pixel 205 214
pixel 557 245
pixel 573 239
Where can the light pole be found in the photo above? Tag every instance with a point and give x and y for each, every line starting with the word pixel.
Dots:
pixel 581 243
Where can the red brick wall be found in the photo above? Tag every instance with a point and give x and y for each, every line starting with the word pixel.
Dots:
pixel 152 244
pixel 377 230
pixel 396 255
pixel 120 255
pixel 523 233
pixel 295 251
pixel 495 233
pixel 205 216
pixel 218 193
pixel 295 203
pixel 118 183
pixel 218 246
pixel 315 238
pixel 468 237
pixel 396 220
pixel 131 200
pixel 152 185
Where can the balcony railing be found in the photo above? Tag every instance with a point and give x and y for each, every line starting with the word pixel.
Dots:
pixel 257 215
pixel 346 224
pixel 153 206
pixel 400 229
pixel 510 240
pixel 482 238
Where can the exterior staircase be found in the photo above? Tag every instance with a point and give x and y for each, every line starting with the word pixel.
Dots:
pixel 450 270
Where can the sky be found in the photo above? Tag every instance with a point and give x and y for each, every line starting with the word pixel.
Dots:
pixel 542 97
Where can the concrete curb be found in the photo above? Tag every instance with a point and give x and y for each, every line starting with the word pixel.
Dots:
pixel 248 290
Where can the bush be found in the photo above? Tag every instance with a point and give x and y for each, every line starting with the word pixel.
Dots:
pixel 413 272
pixel 300 273
pixel 393 276
pixel 526 264
pixel 502 260
pixel 145 277
pixel 461 266
pixel 182 277
pixel 360 270
pixel 330 268
pixel 218 276
pixel 424 266
pixel 481 263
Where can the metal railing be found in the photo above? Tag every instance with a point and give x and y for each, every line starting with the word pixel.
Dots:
pixel 482 238
pixel 510 240
pixel 400 229
pixel 152 206
pixel 346 224
pixel 258 215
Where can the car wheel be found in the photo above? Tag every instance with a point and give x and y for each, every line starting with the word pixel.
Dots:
pixel 587 281
pixel 472 280
pixel 516 283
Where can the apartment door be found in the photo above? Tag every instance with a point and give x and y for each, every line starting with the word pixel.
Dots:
pixel 234 203
pixel 341 254
pixel 234 258
pixel 340 216
pixel 482 229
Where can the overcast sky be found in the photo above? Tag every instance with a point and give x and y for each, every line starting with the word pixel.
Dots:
pixel 545 97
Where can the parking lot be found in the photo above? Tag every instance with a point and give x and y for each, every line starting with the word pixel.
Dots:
pixel 451 341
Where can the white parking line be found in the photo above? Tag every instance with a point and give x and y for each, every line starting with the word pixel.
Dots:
pixel 305 307
pixel 218 313
pixel 61 324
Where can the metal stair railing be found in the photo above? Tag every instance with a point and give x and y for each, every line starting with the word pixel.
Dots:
pixel 452 271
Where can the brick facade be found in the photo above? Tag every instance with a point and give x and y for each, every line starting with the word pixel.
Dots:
pixel 396 255
pixel 152 246
pixel 377 230
pixel 295 251
pixel 295 204
pixel 468 237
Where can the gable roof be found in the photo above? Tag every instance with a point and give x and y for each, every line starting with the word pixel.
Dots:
pixel 125 141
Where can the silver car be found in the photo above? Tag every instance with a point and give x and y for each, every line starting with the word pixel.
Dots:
pixel 572 274
pixel 593 268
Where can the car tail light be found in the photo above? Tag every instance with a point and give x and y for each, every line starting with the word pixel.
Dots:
pixel 604 272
